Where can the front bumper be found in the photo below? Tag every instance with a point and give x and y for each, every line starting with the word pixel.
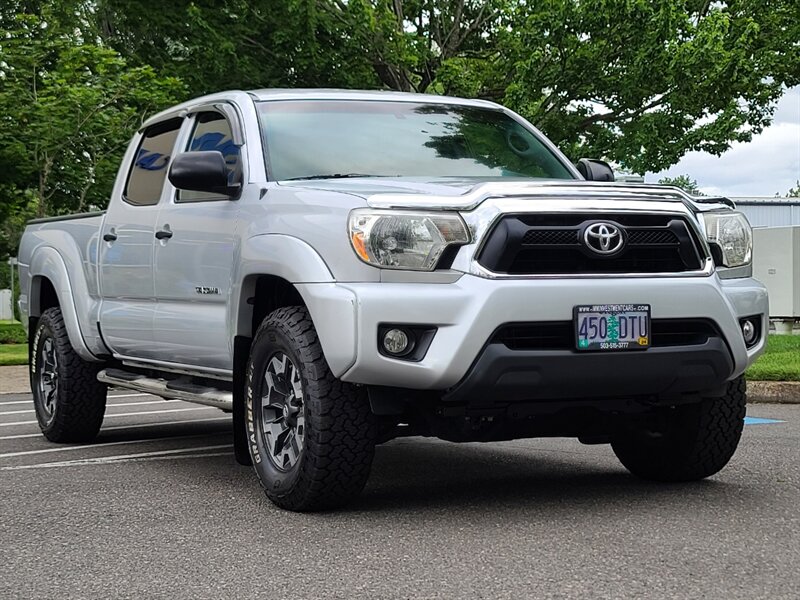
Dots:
pixel 515 375
pixel 468 311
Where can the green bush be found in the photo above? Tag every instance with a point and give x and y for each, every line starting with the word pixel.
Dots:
pixel 12 333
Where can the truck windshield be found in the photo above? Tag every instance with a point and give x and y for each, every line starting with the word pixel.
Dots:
pixel 353 138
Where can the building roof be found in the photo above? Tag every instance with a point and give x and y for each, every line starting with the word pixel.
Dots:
pixel 765 200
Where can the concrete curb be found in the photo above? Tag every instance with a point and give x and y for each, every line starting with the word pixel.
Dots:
pixel 776 392
pixel 14 380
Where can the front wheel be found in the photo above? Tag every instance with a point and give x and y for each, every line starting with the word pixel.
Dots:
pixel 69 401
pixel 693 442
pixel 311 437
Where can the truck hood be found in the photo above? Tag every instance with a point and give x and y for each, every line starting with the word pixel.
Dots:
pixel 468 193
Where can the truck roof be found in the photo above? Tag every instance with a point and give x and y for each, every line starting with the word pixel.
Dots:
pixel 313 94
pixel 339 94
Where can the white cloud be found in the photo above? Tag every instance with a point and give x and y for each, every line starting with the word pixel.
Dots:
pixel 768 164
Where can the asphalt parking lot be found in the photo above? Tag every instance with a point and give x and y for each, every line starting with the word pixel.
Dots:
pixel 158 508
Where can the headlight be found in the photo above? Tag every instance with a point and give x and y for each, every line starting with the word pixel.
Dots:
pixel 404 240
pixel 732 234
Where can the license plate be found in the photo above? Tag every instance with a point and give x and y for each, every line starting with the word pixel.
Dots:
pixel 612 327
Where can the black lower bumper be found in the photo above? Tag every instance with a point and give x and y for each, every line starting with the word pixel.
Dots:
pixel 506 375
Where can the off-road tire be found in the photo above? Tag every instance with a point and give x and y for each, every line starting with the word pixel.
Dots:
pixel 339 428
pixel 79 401
pixel 697 440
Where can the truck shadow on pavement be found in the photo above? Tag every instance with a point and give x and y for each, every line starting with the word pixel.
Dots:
pixel 420 475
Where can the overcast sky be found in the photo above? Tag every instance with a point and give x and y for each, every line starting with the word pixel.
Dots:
pixel 768 164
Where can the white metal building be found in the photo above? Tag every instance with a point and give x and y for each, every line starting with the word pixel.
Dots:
pixel 770 212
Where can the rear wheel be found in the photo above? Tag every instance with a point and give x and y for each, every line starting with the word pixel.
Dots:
pixel 693 441
pixel 69 401
pixel 311 436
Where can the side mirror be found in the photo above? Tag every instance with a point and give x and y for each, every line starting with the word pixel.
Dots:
pixel 203 171
pixel 595 170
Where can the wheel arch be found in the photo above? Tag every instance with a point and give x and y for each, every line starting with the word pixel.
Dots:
pixel 42 296
pixel 270 266
pixel 332 309
pixel 50 287
pixel 260 294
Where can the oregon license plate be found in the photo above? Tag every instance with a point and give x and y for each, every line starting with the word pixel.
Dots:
pixel 612 327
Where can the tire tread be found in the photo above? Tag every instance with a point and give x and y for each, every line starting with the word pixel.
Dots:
pixel 340 428
pixel 81 404
pixel 708 446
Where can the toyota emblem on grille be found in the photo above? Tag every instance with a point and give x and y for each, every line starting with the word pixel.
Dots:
pixel 603 238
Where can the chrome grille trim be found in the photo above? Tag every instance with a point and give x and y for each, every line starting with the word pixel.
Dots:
pixel 481 220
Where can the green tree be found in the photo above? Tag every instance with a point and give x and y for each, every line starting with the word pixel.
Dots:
pixel 793 192
pixel 69 108
pixel 213 45
pixel 684 182
pixel 637 82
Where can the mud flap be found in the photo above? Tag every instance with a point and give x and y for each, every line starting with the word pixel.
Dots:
pixel 241 352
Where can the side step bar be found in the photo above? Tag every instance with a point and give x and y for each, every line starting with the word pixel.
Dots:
pixel 177 390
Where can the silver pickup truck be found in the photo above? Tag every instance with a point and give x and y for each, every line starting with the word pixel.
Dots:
pixel 339 268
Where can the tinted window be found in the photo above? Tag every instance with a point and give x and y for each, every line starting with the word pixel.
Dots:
pixel 213 132
pixel 317 138
pixel 150 166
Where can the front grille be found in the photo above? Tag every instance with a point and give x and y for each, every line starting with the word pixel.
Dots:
pixel 550 237
pixel 652 237
pixel 560 335
pixel 553 244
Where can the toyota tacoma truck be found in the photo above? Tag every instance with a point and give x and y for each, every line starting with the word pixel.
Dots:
pixel 341 268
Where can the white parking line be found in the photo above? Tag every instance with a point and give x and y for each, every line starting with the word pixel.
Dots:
pixel 32 411
pixel 17 412
pixel 133 414
pixel 113 459
pixel 128 460
pixel 109 405
pixel 30 400
pixel 161 401
pixel 121 427
pixel 103 445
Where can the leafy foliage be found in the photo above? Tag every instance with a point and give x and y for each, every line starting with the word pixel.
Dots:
pixel 637 82
pixel 684 182
pixel 69 106
pixel 793 192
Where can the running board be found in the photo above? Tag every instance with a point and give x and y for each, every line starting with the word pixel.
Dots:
pixel 174 390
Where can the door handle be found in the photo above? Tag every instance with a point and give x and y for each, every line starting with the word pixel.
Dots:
pixel 163 234
pixel 110 237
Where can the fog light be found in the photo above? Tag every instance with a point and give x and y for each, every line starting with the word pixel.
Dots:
pixel 749 332
pixel 395 341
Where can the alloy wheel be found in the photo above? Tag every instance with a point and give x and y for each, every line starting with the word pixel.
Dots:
pixel 48 377
pixel 282 413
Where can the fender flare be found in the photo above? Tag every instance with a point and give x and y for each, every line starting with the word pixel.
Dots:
pixel 284 256
pixel 332 307
pixel 279 255
pixel 48 264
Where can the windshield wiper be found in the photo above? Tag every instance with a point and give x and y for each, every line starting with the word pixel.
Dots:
pixel 334 176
